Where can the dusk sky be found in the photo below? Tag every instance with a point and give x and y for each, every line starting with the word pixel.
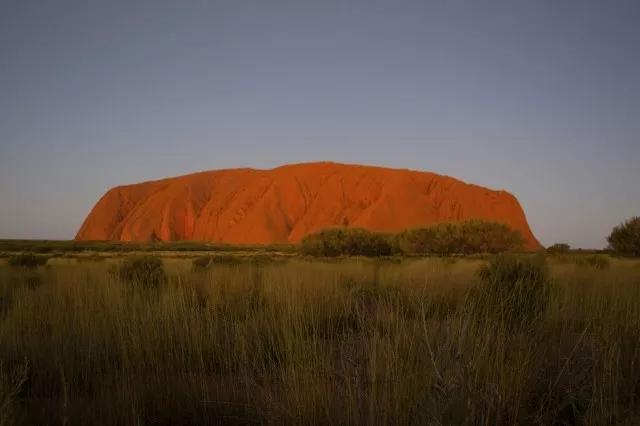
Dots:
pixel 541 98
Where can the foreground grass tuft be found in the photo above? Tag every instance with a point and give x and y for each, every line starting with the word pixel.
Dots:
pixel 515 289
pixel 142 271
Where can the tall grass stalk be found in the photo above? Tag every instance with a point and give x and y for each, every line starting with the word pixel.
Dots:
pixel 318 342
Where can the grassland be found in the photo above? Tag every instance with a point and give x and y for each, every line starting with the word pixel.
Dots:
pixel 287 340
pixel 110 248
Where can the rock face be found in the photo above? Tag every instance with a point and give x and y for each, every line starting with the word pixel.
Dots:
pixel 286 203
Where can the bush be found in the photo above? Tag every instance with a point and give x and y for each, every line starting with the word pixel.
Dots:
pixel 559 248
pixel 346 242
pixel 515 289
pixel 625 238
pixel 474 236
pixel 423 240
pixel 142 271
pixel 27 261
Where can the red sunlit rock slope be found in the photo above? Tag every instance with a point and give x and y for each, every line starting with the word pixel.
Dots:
pixel 286 203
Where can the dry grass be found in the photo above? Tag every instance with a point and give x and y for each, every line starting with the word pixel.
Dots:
pixel 307 342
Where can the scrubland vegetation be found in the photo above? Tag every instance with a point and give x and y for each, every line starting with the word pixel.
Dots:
pixel 463 238
pixel 81 247
pixel 221 339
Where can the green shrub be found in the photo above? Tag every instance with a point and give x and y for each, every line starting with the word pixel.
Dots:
pixel 419 241
pixel 27 261
pixel 515 289
pixel 474 236
pixel 559 248
pixel 346 242
pixel 489 237
pixel 625 238
pixel 142 271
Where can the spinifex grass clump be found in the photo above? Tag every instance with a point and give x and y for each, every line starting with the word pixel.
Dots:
pixel 142 271
pixel 27 261
pixel 515 289
pixel 203 263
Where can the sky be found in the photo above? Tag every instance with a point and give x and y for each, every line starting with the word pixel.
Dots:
pixel 540 98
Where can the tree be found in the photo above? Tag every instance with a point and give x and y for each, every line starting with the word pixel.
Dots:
pixel 625 238
pixel 559 248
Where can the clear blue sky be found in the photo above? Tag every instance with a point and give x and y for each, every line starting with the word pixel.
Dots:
pixel 541 98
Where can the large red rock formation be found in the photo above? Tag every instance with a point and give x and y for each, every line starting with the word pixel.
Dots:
pixel 286 203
